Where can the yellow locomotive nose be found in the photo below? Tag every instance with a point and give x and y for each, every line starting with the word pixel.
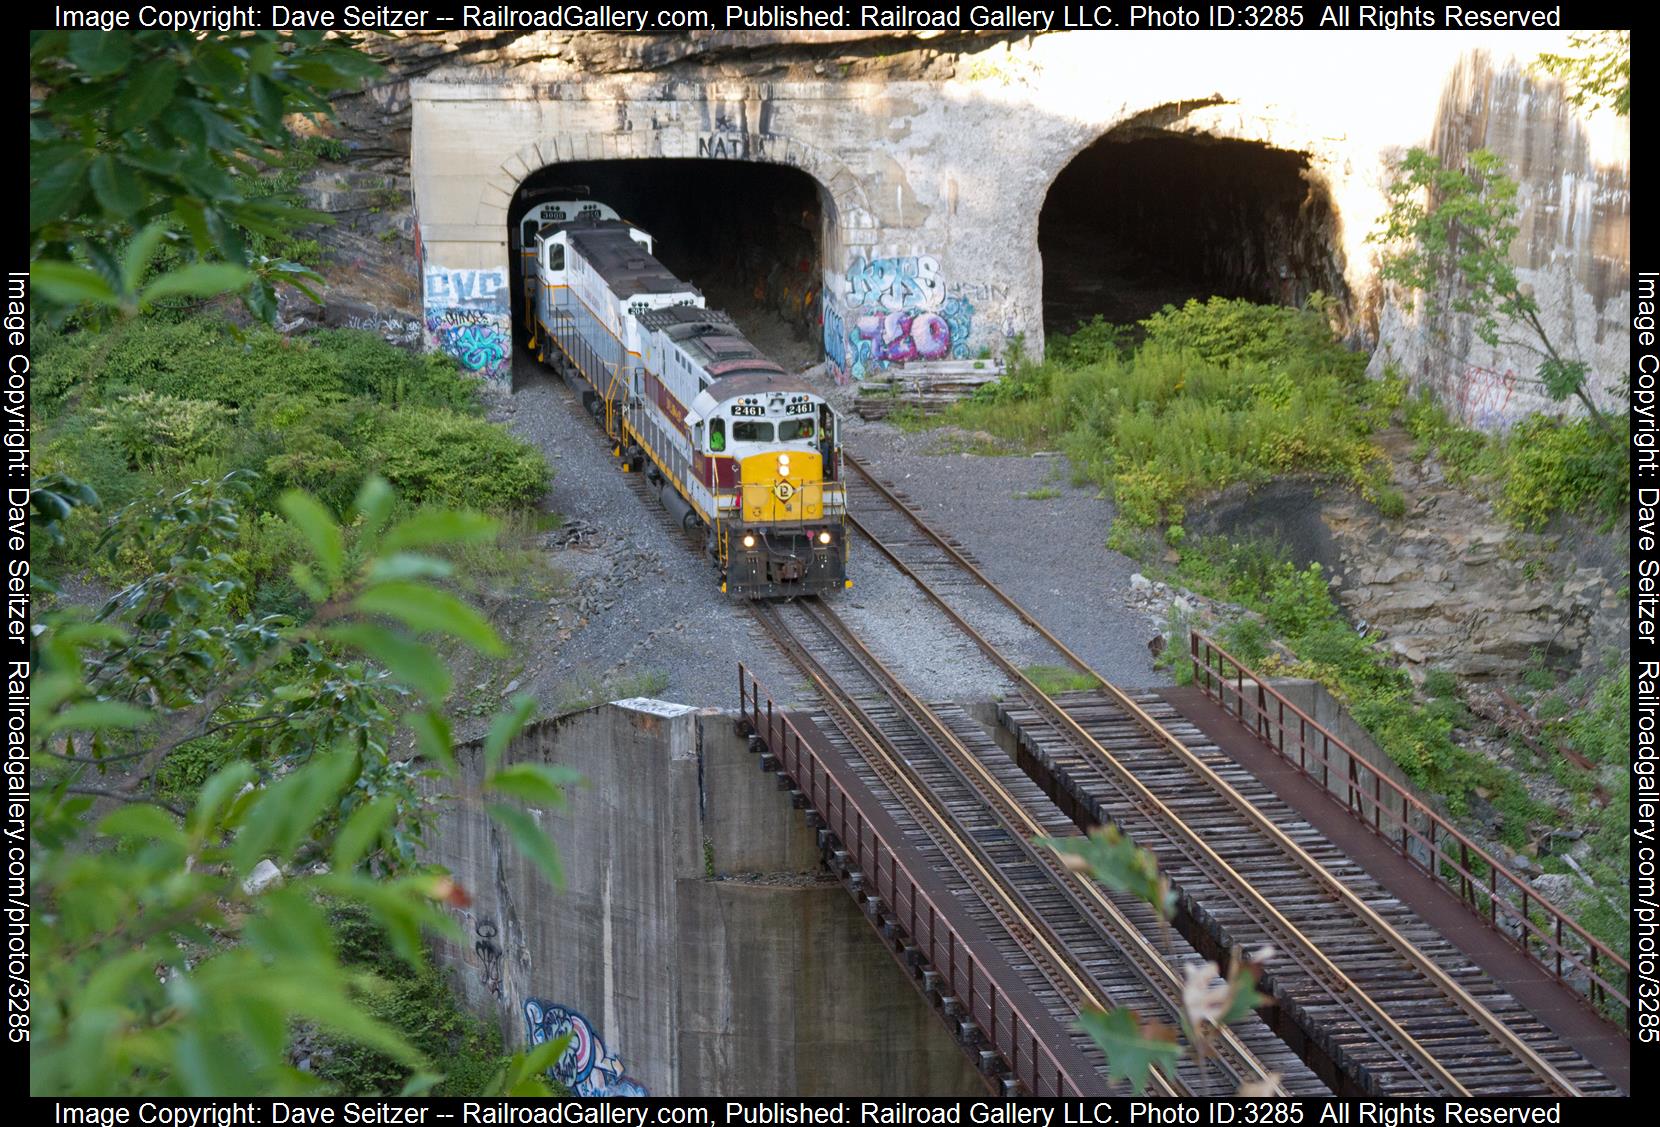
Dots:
pixel 782 487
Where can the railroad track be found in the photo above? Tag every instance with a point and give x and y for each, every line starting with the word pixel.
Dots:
pixel 971 816
pixel 1382 1004
pixel 1392 1007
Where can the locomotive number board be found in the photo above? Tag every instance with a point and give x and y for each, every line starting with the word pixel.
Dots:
pixel 739 410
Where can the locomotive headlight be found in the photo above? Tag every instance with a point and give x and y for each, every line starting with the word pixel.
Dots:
pixel 783 463
pixel 824 537
pixel 749 540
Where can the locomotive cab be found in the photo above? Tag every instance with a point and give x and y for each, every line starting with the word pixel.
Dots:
pixel 773 440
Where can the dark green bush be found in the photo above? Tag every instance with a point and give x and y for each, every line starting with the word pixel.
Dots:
pixel 204 358
pixel 148 406
pixel 419 1005
pixel 1231 332
pixel 1218 393
pixel 438 456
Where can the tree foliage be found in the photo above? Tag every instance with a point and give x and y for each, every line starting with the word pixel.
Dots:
pixel 182 933
pixel 1597 70
pixel 1449 230
pixel 142 138
pixel 167 958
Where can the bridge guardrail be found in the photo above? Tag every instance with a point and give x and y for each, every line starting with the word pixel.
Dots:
pixel 965 977
pixel 1547 935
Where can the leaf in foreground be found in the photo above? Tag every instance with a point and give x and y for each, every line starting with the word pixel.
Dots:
pixel 1133 1048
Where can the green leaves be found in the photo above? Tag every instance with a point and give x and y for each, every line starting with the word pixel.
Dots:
pixel 201 279
pixel 1596 72
pixel 321 532
pixel 127 125
pixel 69 284
pixel 1449 231
pixel 1133 1048
pixel 541 784
pixel 295 720
pixel 424 608
pixel 525 1074
pixel 530 839
pixel 408 661
pixel 1115 861
pixel 506 727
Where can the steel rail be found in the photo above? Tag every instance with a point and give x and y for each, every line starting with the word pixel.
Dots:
pixel 860 835
pixel 1170 990
pixel 1082 986
pixel 1216 685
pixel 1465 1001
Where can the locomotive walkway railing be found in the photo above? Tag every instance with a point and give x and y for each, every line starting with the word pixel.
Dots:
pixel 1546 934
pixel 883 874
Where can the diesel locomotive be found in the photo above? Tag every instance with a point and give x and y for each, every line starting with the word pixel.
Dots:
pixel 738 449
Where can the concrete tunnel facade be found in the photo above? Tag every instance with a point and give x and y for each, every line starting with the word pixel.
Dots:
pixel 931 192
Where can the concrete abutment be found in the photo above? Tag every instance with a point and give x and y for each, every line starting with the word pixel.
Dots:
pixel 698 947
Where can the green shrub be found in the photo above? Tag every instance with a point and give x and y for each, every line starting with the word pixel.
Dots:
pixel 188 766
pixel 1091 342
pixel 438 456
pixel 418 1004
pixel 1220 392
pixel 1550 466
pixel 1233 331
pixel 155 430
pixel 206 358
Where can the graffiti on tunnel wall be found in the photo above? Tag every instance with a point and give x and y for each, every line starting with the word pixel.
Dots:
pixel 896 310
pixel 467 316
pixel 586 1066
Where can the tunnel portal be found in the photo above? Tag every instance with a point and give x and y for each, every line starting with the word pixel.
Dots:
pixel 748 235
pixel 1143 219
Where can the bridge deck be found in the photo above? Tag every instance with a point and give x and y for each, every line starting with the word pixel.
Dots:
pixel 969 955
pixel 1080 783
pixel 1561 1009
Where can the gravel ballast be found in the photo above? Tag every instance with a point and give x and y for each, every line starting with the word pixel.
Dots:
pixel 640 602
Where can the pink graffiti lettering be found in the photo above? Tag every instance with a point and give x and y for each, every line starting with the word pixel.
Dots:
pixel 900 337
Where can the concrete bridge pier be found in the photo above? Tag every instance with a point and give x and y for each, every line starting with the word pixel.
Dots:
pixel 698 947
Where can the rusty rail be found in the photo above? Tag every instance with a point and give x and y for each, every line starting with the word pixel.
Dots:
pixel 1553 941
pixel 885 875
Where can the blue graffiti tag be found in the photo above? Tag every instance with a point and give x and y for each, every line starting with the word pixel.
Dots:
pixel 586 1067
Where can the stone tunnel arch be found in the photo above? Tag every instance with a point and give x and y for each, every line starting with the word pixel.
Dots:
pixel 750 235
pixel 462 237
pixel 1146 216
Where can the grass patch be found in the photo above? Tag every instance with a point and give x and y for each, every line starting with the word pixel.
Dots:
pixel 1053 679
pixel 588 691
pixel 1043 493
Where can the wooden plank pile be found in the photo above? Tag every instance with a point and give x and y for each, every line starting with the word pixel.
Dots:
pixel 928 386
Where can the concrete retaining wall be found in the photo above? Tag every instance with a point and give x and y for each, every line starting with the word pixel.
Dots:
pixel 697 947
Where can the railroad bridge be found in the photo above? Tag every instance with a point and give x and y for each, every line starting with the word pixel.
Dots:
pixel 699 925
pixel 913 220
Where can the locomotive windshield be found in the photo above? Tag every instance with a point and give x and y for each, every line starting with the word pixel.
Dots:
pixel 792 429
pixel 751 431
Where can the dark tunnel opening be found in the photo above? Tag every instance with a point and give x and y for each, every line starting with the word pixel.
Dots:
pixel 1141 221
pixel 748 235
